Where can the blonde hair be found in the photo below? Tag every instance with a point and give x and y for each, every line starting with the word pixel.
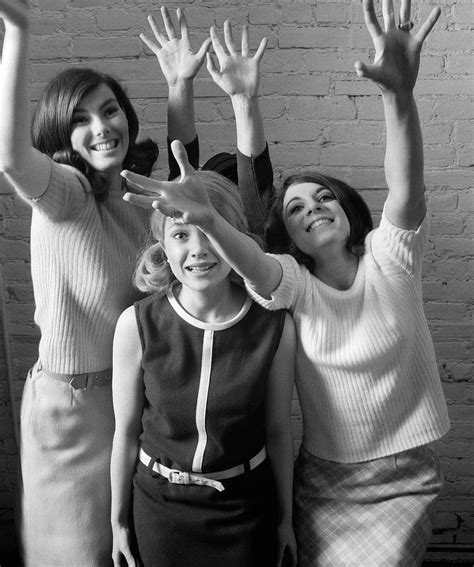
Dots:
pixel 153 274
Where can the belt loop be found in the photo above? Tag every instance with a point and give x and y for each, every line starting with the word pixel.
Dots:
pixel 150 466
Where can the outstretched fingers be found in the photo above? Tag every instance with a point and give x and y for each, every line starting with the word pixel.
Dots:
pixel 388 15
pixel 428 24
pixel 168 23
pixel 370 19
pixel 405 11
pixel 229 38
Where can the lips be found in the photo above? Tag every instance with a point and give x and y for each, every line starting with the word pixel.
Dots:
pixel 200 268
pixel 318 222
pixel 105 146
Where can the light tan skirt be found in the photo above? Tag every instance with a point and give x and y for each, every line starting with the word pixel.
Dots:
pixel 370 514
pixel 66 442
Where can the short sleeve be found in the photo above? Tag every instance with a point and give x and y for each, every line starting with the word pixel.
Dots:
pixel 65 194
pixel 284 296
pixel 397 248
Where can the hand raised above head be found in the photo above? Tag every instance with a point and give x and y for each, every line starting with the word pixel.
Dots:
pixel 176 58
pixel 15 12
pixel 238 73
pixel 397 51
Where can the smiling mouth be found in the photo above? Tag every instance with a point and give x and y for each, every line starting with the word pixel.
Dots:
pixel 105 146
pixel 199 268
pixel 314 225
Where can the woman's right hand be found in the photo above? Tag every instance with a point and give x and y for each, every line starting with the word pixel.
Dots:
pixel 14 12
pixel 238 73
pixel 121 548
pixel 175 55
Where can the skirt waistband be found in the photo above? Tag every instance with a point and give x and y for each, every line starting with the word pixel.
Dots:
pixel 84 381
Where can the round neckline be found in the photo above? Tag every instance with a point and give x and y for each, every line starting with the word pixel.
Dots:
pixel 354 288
pixel 195 322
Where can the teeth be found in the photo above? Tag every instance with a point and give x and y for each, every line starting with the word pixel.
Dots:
pixel 104 146
pixel 199 269
pixel 317 223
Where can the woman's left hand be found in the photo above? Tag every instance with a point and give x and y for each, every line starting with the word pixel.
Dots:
pixel 397 51
pixel 175 55
pixel 186 199
pixel 286 554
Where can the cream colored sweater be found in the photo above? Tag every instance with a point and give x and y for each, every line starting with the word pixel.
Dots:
pixel 83 255
pixel 367 378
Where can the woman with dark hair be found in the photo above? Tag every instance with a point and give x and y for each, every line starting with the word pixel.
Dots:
pixel 84 242
pixel 366 478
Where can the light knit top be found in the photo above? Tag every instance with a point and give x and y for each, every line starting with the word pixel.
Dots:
pixel 83 255
pixel 366 373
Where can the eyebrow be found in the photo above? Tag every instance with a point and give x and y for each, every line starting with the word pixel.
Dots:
pixel 105 103
pixel 315 192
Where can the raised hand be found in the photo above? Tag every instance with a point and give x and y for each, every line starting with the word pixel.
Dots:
pixel 238 73
pixel 186 199
pixel 397 51
pixel 175 55
pixel 14 12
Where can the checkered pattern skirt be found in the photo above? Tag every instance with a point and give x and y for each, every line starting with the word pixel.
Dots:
pixel 370 514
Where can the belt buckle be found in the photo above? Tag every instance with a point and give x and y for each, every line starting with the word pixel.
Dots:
pixel 178 477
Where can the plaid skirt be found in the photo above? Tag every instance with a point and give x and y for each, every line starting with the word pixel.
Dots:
pixel 370 514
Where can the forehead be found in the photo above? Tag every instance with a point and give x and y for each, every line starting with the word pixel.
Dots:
pixel 302 190
pixel 96 97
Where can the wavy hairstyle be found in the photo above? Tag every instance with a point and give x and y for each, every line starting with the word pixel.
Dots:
pixel 357 212
pixel 52 125
pixel 153 273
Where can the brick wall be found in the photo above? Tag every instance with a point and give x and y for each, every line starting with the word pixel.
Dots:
pixel 317 113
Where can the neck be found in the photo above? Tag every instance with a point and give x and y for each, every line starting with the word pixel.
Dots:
pixel 338 271
pixel 215 305
pixel 114 181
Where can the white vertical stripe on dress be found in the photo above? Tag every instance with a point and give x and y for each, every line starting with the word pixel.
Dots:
pixel 201 406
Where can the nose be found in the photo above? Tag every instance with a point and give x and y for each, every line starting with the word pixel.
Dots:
pixel 100 126
pixel 313 207
pixel 199 245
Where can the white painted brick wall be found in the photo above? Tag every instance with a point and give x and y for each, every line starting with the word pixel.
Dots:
pixel 317 113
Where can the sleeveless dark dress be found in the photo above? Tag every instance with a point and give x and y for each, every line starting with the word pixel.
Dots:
pixel 205 412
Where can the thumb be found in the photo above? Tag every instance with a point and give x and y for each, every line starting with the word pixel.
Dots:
pixel 181 157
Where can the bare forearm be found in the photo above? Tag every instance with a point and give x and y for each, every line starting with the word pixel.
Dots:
pixel 15 105
pixel 251 139
pixel 280 452
pixel 123 462
pixel 404 161
pixel 262 272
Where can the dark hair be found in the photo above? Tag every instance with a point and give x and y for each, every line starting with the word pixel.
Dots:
pixel 52 125
pixel 357 212
pixel 225 164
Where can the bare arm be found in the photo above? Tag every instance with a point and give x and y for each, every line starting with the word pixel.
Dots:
pixel 188 199
pixel 179 65
pixel 128 398
pixel 24 166
pixel 395 70
pixel 279 438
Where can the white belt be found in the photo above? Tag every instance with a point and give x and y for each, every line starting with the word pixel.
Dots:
pixel 208 479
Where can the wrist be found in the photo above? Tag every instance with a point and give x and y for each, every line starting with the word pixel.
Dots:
pixel 400 101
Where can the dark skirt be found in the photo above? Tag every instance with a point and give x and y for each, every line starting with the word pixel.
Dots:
pixel 197 526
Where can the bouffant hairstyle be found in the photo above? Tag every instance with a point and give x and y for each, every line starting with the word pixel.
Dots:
pixel 153 274
pixel 52 125
pixel 357 212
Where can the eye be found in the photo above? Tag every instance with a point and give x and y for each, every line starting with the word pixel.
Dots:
pixel 295 209
pixel 111 110
pixel 79 119
pixel 179 235
pixel 326 196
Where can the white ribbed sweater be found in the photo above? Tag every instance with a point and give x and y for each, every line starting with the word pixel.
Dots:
pixel 83 255
pixel 367 378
